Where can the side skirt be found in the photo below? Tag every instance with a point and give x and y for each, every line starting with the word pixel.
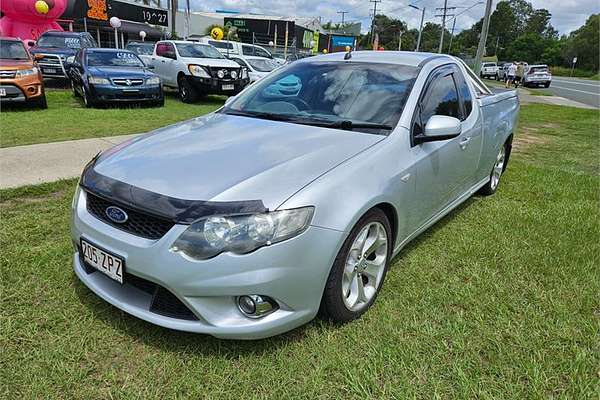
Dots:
pixel 441 214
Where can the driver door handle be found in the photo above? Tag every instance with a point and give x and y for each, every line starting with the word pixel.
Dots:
pixel 464 143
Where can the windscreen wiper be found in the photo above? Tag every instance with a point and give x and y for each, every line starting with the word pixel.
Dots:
pixel 325 123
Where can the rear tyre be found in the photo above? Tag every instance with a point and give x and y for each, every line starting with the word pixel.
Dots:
pixel 499 166
pixel 359 269
pixel 547 84
pixel 187 92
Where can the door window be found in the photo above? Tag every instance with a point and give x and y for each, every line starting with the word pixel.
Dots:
pixel 165 50
pixel 442 99
pixel 465 95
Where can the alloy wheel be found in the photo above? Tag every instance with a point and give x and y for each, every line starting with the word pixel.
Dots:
pixel 365 266
pixel 498 168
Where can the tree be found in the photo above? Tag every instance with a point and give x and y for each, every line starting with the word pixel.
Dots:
pixel 583 43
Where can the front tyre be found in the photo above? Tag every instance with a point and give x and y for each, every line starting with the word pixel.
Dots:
pixel 499 166
pixel 359 269
pixel 187 92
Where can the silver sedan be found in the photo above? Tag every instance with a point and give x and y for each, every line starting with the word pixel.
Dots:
pixel 292 198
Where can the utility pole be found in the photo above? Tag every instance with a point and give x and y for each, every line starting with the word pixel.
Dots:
pixel 343 14
pixel 373 21
pixel 451 35
pixel 400 39
pixel 483 37
pixel 443 15
pixel 174 7
pixel 420 27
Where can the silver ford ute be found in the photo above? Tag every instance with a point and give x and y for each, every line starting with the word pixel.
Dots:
pixel 291 200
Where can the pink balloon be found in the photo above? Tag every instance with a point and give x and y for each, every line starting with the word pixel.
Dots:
pixel 21 19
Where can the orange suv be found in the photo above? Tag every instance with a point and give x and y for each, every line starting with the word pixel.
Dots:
pixel 20 78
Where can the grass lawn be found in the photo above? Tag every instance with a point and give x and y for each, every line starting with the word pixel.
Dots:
pixel 66 118
pixel 501 299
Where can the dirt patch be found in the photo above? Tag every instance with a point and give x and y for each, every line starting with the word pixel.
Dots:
pixel 32 200
pixel 528 137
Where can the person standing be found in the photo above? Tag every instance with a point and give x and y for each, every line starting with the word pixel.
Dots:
pixel 520 74
pixel 511 73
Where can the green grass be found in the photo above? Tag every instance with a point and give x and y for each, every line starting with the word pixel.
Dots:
pixel 66 119
pixel 501 299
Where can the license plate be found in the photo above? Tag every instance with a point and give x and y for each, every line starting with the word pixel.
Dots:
pixel 228 87
pixel 2 92
pixel 103 261
pixel 49 70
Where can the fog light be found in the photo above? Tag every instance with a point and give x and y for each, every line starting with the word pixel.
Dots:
pixel 255 306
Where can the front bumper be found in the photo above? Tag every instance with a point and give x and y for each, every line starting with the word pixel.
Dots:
pixel 110 93
pixel 215 85
pixel 292 272
pixel 23 89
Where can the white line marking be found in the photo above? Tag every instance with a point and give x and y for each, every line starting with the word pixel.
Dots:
pixel 575 90
pixel 577 83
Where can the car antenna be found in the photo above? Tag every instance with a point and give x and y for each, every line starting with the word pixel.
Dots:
pixel 348 54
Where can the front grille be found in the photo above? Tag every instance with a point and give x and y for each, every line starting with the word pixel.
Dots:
pixel 128 82
pixel 226 71
pixel 7 74
pixel 138 223
pixel 50 60
pixel 163 301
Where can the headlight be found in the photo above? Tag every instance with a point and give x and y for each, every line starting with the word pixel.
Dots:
pixel 98 81
pixel 233 74
pixel 26 72
pixel 221 74
pixel 240 234
pixel 155 80
pixel 197 70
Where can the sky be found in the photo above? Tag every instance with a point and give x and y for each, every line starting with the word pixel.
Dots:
pixel 567 15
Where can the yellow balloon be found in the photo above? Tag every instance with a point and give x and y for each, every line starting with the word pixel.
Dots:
pixel 325 51
pixel 216 33
pixel 348 48
pixel 42 7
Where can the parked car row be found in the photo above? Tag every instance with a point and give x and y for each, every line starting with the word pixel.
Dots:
pixel 534 75
pixel 134 74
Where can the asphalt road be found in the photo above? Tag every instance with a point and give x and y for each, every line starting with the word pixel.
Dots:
pixel 582 90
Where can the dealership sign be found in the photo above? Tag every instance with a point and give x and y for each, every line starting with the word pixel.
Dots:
pixel 103 10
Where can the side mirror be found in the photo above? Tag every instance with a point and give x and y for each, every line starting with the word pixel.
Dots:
pixel 30 43
pixel 440 127
pixel 149 66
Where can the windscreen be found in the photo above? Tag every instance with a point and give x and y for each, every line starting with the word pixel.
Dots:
pixel 63 41
pixel 13 50
pixel 113 59
pixel 358 96
pixel 538 69
pixel 144 49
pixel 194 50
pixel 262 65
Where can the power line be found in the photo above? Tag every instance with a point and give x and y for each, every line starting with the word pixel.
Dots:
pixel 343 14
pixel 444 15
pixel 373 21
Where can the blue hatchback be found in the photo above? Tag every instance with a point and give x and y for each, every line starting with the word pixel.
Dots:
pixel 102 76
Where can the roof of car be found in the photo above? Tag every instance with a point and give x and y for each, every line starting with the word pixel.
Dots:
pixel 64 33
pixel 538 66
pixel 105 50
pixel 409 58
